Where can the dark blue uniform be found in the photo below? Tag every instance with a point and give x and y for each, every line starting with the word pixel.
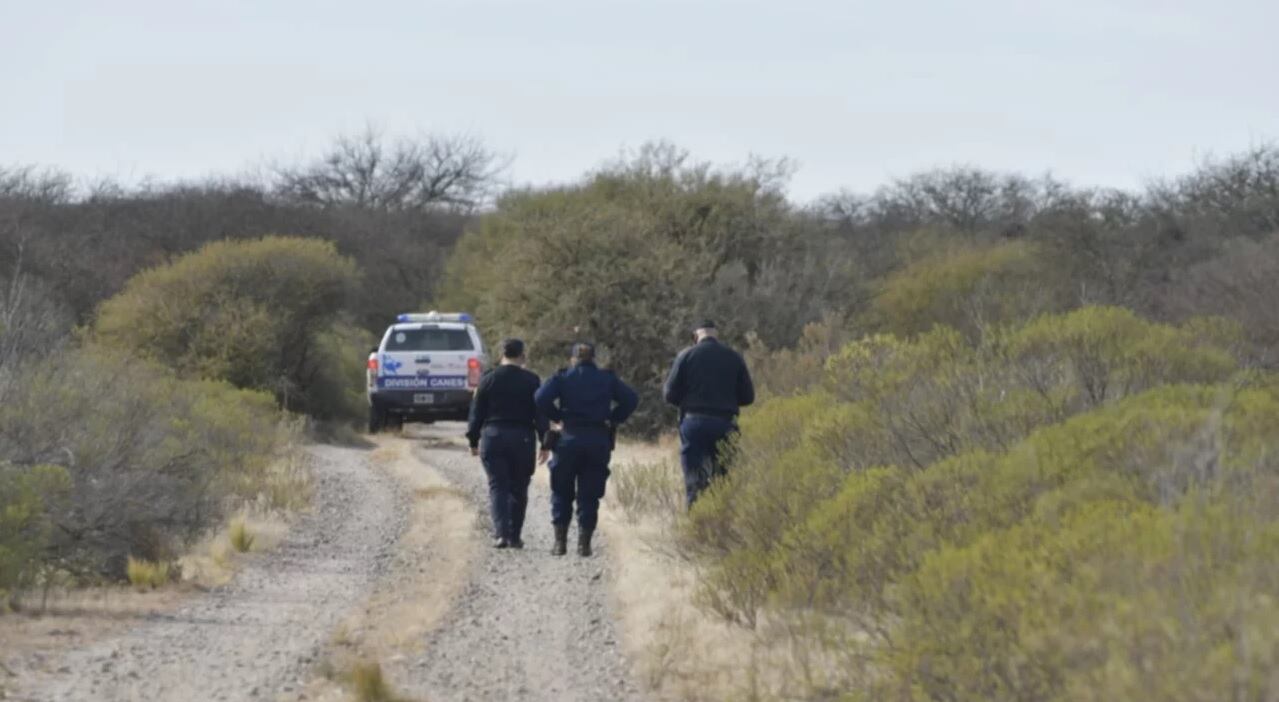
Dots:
pixel 709 383
pixel 506 425
pixel 588 401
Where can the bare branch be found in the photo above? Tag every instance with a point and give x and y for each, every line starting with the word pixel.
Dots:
pixel 366 170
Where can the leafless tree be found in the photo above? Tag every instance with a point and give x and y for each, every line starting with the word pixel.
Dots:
pixel 34 184
pixel 367 170
pixel 1241 283
pixel 1236 196
pixel 966 199
pixel 31 321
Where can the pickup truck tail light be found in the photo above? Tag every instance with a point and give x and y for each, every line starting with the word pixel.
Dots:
pixel 473 372
pixel 373 363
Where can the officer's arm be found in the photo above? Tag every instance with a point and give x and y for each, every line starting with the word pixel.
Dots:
pixel 673 391
pixel 479 412
pixel 546 396
pixel 745 387
pixel 626 400
pixel 539 417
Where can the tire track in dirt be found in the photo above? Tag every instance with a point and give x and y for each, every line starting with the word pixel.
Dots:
pixel 529 626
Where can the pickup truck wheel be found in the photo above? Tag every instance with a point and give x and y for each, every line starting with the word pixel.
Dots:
pixel 377 419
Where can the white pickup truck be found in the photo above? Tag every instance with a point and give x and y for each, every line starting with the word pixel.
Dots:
pixel 426 369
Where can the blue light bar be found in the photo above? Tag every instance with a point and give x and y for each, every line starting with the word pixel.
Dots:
pixel 435 317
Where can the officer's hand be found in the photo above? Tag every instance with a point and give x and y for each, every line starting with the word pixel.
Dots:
pixel 543 456
pixel 475 450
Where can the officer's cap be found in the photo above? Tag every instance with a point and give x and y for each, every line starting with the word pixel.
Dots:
pixel 704 324
pixel 512 348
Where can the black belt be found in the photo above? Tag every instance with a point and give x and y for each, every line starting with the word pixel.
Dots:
pixel 728 416
pixel 585 425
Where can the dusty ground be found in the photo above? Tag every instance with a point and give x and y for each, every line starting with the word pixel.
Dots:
pixel 391 565
pixel 257 636
pixel 528 626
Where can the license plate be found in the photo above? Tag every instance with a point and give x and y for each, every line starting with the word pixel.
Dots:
pixel 424 398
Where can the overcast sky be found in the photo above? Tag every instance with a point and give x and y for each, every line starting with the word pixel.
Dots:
pixel 1110 92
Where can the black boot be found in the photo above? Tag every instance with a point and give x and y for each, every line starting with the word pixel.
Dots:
pixel 584 541
pixel 501 542
pixel 561 540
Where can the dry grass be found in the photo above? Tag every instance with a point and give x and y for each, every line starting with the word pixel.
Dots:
pixel 680 651
pixel 368 683
pixel 240 536
pixel 212 562
pixel 393 624
pixel 285 484
pixel 653 489
pixel 145 574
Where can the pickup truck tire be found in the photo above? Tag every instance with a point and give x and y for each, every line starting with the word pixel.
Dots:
pixel 377 418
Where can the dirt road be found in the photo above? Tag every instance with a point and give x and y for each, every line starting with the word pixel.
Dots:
pixel 525 626
pixel 529 626
pixel 260 634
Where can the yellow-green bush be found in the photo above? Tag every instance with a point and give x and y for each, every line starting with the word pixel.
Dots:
pixel 258 314
pixel 1118 601
pixel 1103 353
pixel 973 289
pixel 740 522
pixel 1000 518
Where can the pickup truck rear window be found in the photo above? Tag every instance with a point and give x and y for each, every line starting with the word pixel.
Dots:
pixel 429 340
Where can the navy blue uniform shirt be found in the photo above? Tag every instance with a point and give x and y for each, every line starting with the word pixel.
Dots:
pixel 505 396
pixel 709 378
pixel 584 395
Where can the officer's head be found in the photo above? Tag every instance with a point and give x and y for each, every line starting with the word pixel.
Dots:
pixel 582 352
pixel 705 329
pixel 513 351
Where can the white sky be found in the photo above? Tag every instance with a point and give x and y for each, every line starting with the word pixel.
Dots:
pixel 1108 92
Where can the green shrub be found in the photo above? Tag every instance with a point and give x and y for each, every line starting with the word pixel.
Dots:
pixel 258 314
pixel 151 459
pixel 558 265
pixel 972 289
pixel 27 497
pixel 1118 601
pixel 1104 353
pixel 1049 512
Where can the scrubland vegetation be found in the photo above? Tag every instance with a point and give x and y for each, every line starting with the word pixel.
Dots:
pixel 1030 457
pixel 1016 437
pixel 159 345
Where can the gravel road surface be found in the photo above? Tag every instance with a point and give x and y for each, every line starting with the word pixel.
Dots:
pixel 529 626
pixel 255 638
pixel 525 626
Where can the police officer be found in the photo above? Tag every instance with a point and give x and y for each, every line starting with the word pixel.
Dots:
pixel 709 383
pixel 590 403
pixel 505 426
